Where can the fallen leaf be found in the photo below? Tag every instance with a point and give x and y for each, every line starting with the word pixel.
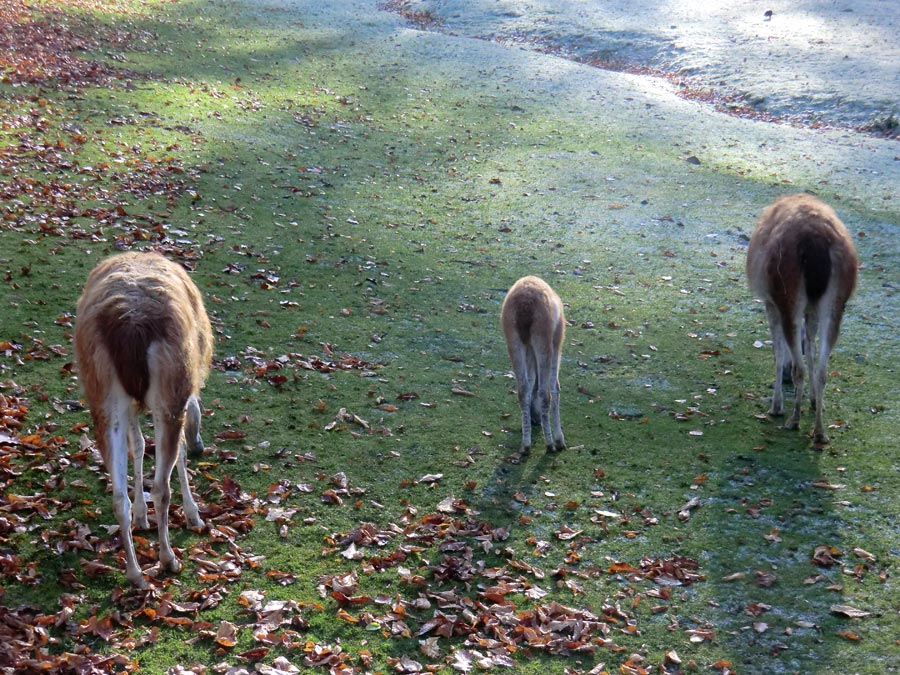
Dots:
pixel 850 612
pixel 826 556
pixel 226 635
pixel 825 485
pixel 862 553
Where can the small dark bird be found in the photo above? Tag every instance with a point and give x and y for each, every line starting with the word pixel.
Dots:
pixel 768 14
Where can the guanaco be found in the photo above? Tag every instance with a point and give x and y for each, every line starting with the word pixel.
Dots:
pixel 143 341
pixel 802 263
pixel 534 326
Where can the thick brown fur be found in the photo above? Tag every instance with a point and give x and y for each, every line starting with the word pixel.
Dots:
pixel 801 261
pixel 143 341
pixel 534 326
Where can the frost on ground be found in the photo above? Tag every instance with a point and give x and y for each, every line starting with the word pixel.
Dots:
pixel 814 61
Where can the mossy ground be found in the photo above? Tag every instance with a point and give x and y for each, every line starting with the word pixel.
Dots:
pixel 347 193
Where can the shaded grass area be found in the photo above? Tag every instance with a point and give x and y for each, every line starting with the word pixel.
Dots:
pixel 343 194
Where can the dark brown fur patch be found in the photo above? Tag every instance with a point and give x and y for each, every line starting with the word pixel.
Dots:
pixel 127 341
pixel 815 261
pixel 524 309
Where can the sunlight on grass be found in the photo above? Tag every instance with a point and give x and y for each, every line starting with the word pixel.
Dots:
pixel 354 198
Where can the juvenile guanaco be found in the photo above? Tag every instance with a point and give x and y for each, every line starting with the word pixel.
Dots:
pixel 534 327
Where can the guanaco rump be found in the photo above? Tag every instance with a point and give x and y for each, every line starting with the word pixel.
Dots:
pixel 534 326
pixel 143 341
pixel 802 263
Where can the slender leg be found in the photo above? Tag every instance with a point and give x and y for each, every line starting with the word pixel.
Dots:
pixel 559 441
pixel 136 445
pixel 545 398
pixel 191 510
pixel 117 445
pixel 794 339
pixel 548 378
pixel 829 325
pixel 810 332
pixel 192 428
pixel 524 387
pixel 535 400
pixel 169 430
pixel 780 349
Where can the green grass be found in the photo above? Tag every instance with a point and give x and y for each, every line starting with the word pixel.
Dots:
pixel 338 192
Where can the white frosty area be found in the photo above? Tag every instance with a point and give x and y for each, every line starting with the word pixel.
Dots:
pixel 821 60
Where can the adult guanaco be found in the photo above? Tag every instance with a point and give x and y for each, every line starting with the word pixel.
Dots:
pixel 802 263
pixel 143 341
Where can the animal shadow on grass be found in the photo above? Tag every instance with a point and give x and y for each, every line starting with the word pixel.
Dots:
pixel 514 479
pixel 767 525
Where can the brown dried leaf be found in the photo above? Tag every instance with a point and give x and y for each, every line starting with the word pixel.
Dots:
pixel 226 635
pixel 850 612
